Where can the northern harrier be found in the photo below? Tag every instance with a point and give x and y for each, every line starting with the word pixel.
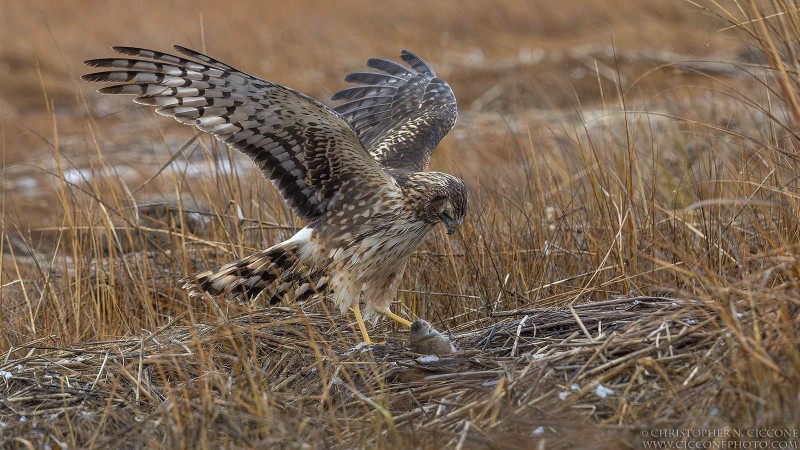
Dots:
pixel 357 175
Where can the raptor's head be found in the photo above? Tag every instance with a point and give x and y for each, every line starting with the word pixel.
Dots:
pixel 439 198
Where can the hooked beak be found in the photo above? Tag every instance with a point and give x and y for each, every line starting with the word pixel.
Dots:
pixel 450 223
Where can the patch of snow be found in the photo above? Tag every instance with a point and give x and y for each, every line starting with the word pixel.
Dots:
pixel 428 359
pixel 360 347
pixel 490 383
pixel 203 219
pixel 577 72
pixel 205 168
pixel 602 391
pixel 27 184
pixel 76 176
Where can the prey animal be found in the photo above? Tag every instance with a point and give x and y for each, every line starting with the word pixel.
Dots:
pixel 427 341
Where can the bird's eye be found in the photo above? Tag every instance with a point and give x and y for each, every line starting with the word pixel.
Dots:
pixel 447 214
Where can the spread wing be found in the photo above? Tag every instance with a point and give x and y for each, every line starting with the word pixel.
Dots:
pixel 309 152
pixel 400 113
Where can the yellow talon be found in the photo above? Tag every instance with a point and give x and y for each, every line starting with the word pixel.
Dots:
pixel 357 311
pixel 398 319
pixel 361 326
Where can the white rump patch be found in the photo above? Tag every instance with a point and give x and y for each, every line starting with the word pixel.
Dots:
pixel 301 236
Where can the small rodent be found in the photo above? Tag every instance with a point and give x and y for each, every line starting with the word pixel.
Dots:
pixel 427 341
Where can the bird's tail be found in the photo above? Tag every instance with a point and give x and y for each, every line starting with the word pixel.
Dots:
pixel 277 267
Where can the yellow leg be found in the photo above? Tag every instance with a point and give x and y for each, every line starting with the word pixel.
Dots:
pixel 360 321
pixel 398 319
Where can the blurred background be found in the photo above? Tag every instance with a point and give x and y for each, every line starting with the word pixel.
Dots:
pixel 512 65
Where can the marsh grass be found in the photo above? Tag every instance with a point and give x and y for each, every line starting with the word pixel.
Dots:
pixel 624 266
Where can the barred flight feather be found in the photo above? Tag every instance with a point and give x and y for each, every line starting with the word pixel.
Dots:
pixel 357 174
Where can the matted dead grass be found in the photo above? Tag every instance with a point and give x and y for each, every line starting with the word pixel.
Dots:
pixel 541 378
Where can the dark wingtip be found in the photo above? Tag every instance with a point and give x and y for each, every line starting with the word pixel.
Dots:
pixel 351 78
pixel 125 50
pixel 93 77
pixel 417 63
pixel 406 54
pixel 186 51
pixel 99 62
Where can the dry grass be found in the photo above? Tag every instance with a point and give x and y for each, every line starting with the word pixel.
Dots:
pixel 629 260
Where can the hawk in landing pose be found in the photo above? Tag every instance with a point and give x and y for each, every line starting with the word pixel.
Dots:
pixel 357 175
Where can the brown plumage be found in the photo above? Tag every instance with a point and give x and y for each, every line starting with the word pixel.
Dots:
pixel 357 175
